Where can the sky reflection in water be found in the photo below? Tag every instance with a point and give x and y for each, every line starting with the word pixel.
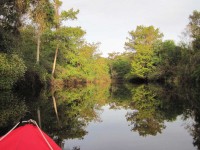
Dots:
pixel 117 117
pixel 113 133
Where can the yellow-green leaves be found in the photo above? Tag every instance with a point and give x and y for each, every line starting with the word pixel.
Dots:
pixel 141 41
pixel 69 15
pixel 11 69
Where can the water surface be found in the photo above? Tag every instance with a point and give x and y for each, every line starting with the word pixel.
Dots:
pixel 114 132
pixel 112 117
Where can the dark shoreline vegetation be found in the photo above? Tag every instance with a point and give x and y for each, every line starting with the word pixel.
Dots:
pixel 42 52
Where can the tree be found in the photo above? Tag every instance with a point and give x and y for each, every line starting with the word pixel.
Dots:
pixel 10 21
pixel 194 27
pixel 42 15
pixel 12 66
pixel 168 57
pixel 141 41
pixel 120 65
pixel 189 67
pixel 58 18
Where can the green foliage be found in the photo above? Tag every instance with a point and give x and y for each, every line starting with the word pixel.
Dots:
pixel 101 70
pixel 148 108
pixel 120 96
pixel 43 31
pixel 148 58
pixel 8 41
pixel 42 14
pixel 141 41
pixel 147 120
pixel 28 45
pixel 11 11
pixel 9 23
pixel 28 54
pixel 188 66
pixel 194 27
pixel 11 108
pixel 143 64
pixel 120 65
pixel 143 36
pixel 75 57
pixel 69 15
pixel 12 68
pixel 11 20
pixel 168 57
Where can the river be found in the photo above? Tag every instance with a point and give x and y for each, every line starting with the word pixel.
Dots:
pixel 110 117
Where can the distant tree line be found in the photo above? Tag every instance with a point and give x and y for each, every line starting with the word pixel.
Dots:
pixel 148 58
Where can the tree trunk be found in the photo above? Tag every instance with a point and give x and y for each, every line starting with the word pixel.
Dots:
pixel 54 63
pixel 56 7
pixel 38 48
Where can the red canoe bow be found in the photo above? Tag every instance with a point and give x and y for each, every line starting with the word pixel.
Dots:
pixel 28 137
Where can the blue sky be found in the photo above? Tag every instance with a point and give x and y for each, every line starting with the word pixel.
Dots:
pixel 109 21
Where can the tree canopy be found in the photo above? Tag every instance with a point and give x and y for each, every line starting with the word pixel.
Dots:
pixel 141 41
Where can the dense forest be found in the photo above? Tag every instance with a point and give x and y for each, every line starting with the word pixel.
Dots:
pixel 149 58
pixel 37 49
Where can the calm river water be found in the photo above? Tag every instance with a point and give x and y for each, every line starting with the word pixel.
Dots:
pixel 110 117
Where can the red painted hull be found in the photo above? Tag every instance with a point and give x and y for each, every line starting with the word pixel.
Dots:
pixel 27 137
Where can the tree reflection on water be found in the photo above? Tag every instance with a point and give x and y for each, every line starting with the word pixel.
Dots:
pixel 150 105
pixel 147 120
pixel 11 110
pixel 65 113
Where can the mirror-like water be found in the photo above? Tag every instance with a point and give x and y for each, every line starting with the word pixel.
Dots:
pixel 110 117
pixel 114 132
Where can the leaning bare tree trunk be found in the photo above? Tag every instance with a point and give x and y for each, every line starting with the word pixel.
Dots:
pixel 54 62
pixel 56 7
pixel 38 49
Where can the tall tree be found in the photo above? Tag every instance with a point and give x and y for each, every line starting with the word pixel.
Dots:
pixel 10 21
pixel 58 18
pixel 12 67
pixel 194 27
pixel 141 42
pixel 57 4
pixel 42 14
pixel 191 59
